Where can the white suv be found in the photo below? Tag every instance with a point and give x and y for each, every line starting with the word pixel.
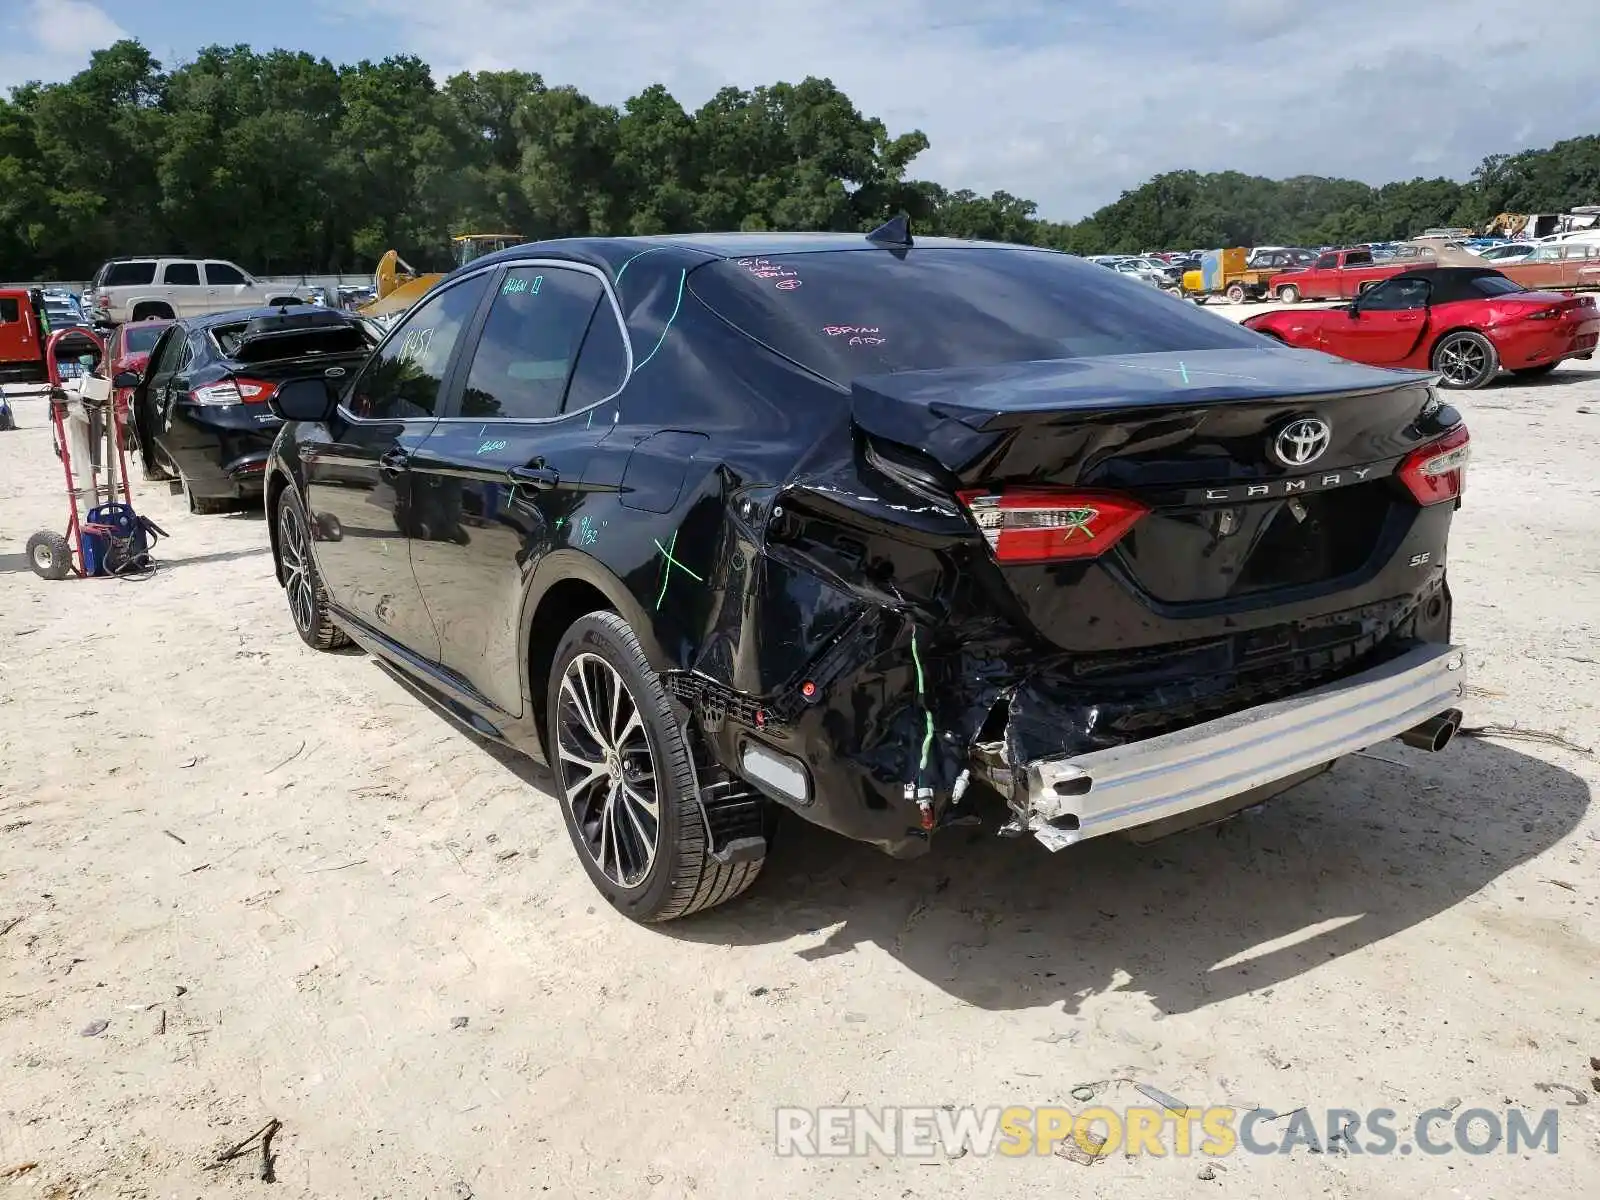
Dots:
pixel 138 289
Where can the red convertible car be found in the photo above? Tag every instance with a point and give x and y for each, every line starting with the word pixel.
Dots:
pixel 1464 323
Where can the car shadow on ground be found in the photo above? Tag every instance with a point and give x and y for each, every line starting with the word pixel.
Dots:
pixel 18 563
pixel 1563 376
pixel 1380 844
pixel 1342 862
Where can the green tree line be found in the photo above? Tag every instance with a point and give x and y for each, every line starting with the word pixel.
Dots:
pixel 288 163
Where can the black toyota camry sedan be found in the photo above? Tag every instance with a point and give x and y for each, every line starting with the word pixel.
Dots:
pixel 200 401
pixel 871 528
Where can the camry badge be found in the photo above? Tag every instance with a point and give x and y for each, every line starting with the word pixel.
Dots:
pixel 1301 442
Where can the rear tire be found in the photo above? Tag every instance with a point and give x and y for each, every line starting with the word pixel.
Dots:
pixel 1288 294
pixel 151 312
pixel 626 780
pixel 1237 294
pixel 1538 372
pixel 50 555
pixel 1465 360
pixel 302 582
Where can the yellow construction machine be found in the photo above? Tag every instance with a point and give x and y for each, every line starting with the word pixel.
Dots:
pixel 399 285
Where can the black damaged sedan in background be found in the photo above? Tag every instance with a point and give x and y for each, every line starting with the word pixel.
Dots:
pixel 200 402
pixel 871 529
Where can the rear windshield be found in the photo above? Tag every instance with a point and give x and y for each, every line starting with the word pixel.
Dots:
pixel 290 343
pixel 849 313
pixel 127 274
pixel 143 339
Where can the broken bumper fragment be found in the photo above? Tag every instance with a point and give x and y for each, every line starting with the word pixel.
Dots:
pixel 1249 755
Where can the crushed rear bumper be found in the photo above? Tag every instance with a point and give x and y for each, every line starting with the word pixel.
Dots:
pixel 1198 769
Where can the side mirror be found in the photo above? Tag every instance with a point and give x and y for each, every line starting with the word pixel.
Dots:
pixel 303 400
pixel 127 379
pixel 1354 311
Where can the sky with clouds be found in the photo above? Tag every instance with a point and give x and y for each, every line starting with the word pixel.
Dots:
pixel 1066 102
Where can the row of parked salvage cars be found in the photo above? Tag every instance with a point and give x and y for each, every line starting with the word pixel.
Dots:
pixel 861 529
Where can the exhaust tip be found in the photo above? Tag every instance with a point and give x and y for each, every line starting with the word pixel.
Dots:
pixel 1435 733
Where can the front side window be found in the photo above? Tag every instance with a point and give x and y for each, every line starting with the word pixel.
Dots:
pixel 530 341
pixel 182 274
pixel 849 313
pixel 171 355
pixel 10 310
pixel 403 377
pixel 1328 262
pixel 221 274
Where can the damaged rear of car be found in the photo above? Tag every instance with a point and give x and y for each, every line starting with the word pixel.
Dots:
pixel 862 528
pixel 1118 559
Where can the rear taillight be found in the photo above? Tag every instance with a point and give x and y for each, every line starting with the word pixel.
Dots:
pixel 216 393
pixel 255 391
pixel 1543 314
pixel 1438 471
pixel 234 391
pixel 1039 525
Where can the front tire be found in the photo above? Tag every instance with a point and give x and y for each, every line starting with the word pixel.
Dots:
pixel 302 582
pixel 626 781
pixel 1465 360
pixel 1288 294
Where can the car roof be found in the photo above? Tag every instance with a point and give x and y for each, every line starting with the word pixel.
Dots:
pixel 1448 273
pixel 741 245
pixel 240 316
pixel 693 249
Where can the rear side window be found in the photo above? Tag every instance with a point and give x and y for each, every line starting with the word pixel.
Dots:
pixel 181 274
pixel 1358 258
pixel 1494 285
pixel 602 362
pixel 222 273
pixel 530 341
pixel 129 274
pixel 10 310
pixel 849 313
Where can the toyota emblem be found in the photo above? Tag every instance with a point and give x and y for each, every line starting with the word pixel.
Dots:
pixel 1300 443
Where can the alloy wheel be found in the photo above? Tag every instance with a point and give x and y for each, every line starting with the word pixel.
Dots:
pixel 608 770
pixel 294 553
pixel 1462 361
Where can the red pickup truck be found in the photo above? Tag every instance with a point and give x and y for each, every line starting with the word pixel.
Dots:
pixel 22 337
pixel 1336 275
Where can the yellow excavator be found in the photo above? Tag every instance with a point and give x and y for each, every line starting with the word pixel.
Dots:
pixel 399 285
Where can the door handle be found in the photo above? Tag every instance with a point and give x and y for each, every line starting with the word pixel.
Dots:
pixel 538 477
pixel 394 461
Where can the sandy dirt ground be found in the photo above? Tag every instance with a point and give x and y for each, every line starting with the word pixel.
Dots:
pixel 288 890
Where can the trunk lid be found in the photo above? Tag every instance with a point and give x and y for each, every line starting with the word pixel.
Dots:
pixel 1234 522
